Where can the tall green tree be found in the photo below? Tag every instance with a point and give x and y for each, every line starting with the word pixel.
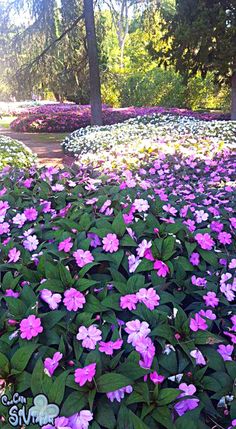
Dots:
pixel 203 38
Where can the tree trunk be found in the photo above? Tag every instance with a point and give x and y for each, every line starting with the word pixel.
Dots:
pixel 233 105
pixel 94 75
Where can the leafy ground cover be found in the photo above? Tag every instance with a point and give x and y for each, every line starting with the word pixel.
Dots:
pixel 70 117
pixel 118 287
pixel 14 153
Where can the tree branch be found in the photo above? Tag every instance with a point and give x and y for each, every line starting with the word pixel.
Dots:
pixel 54 42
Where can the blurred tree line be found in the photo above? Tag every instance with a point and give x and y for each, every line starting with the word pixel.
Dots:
pixel 130 35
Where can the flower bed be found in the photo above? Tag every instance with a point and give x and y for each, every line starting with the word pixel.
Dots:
pixel 141 134
pixel 69 117
pixel 117 291
pixel 14 153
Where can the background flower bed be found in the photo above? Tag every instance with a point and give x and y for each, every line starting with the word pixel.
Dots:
pixel 132 138
pixel 69 117
pixel 14 153
pixel 130 279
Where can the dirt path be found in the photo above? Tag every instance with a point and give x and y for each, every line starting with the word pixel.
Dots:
pixel 46 146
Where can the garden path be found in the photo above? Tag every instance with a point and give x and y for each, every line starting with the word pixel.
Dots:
pixel 46 146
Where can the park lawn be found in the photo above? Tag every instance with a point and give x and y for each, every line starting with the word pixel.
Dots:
pixel 6 120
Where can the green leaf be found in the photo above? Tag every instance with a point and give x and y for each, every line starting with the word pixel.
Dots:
pixel 209 257
pixel 168 246
pixel 4 365
pixel 163 415
pixel 112 381
pixel 21 357
pixel 57 391
pixel 74 403
pixel 118 225
pixel 137 422
pixel 105 414
pixel 49 320
pixel 166 396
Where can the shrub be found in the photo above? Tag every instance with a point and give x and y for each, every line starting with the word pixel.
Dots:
pixel 14 153
pixel 117 291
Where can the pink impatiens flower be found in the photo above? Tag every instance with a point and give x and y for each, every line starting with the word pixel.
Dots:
pixel 136 330
pixel 31 243
pixel 196 354
pixel 109 347
pixel 118 395
pixel 89 336
pixel 225 238
pixel 82 375
pixel 141 205
pixel 30 327
pixel 149 297
pixel 80 420
pixel 83 257
pixel 162 268
pixel 13 255
pixel 157 378
pixel 205 241
pixel 52 299
pixel 187 404
pixel 110 243
pixel 31 214
pixel 211 299
pixel 73 299
pixel 198 323
pixel 226 351
pixel 65 245
pixel 51 364
pixel 129 301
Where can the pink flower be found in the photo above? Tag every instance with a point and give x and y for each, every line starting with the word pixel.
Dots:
pixel 225 238
pixel 65 245
pixel 208 314
pixel 13 255
pixel 142 247
pixel 118 395
pixel 110 243
pixel 31 214
pixel 199 281
pixel 51 364
pixel 109 347
pixel 147 350
pixel 198 323
pixel 162 268
pixel 195 259
pixel 211 300
pixel 226 351
pixel 19 220
pixel 157 378
pixel 82 375
pixel 128 301
pixel 141 205
pixel 148 297
pixel 30 327
pixel 52 299
pixel 148 255
pixel 169 209
pixel 205 241
pixel 11 293
pixel 83 257
pixel 232 264
pixel 4 228
pixel 89 336
pixel 73 299
pixel 133 263
pixel 196 354
pixel 187 404
pixel 136 330
pixel 95 240
pixel 216 226
pixel 31 243
pixel 80 420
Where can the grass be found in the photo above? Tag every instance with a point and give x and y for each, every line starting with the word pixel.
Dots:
pixel 6 120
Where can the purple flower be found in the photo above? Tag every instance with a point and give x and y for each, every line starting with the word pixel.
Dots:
pixel 51 364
